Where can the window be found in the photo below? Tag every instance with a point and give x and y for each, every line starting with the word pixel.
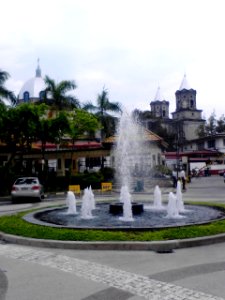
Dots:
pixel 26 96
pixel 191 103
pixel 42 95
pixel 211 144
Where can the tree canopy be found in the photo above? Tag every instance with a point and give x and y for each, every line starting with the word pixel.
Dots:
pixel 5 94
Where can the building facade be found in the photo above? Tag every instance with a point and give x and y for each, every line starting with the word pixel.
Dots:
pixel 185 120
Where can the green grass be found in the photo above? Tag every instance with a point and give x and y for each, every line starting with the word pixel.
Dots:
pixel 14 224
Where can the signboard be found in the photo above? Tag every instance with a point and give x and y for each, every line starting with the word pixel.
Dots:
pixel 75 189
pixel 106 186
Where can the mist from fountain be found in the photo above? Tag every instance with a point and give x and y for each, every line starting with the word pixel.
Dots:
pixel 130 151
pixel 71 203
pixel 130 160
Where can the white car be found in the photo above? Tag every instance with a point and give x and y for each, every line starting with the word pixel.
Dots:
pixel 27 188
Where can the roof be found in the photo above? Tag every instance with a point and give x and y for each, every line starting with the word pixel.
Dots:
pixel 185 84
pixel 159 95
pixel 33 86
pixel 150 136
pixel 77 145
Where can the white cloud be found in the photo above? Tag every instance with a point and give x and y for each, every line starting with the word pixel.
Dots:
pixel 131 47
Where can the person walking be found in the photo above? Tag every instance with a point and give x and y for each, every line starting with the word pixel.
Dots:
pixel 183 179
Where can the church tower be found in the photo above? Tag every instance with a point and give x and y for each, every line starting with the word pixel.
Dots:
pixel 160 107
pixel 187 117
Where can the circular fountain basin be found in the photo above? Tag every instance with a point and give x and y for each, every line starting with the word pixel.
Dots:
pixel 117 208
pixel 102 219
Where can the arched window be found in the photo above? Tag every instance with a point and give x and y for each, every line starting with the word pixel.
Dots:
pixel 42 95
pixel 26 96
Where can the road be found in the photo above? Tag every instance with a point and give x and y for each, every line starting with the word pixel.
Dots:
pixel 28 272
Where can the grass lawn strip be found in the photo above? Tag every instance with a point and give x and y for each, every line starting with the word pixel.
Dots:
pixel 15 225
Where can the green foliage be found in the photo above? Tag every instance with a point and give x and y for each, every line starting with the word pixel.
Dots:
pixel 5 94
pixel 101 110
pixel 162 170
pixel 82 122
pixel 212 126
pixel 60 98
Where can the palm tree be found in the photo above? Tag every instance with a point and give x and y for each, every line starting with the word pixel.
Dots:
pixel 4 93
pixel 58 94
pixel 101 111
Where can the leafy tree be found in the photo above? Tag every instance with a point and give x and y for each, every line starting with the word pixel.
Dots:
pixel 4 92
pixel 59 97
pixel 60 127
pixel 82 122
pixel 20 127
pixel 101 110
pixel 209 128
pixel 220 124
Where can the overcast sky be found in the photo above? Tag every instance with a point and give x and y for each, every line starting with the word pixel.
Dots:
pixel 129 46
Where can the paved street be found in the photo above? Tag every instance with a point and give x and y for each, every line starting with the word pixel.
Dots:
pixel 28 272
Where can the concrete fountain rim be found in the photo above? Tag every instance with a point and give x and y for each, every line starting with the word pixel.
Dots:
pixel 33 218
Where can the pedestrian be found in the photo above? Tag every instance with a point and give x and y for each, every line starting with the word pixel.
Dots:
pixel 183 179
pixel 174 177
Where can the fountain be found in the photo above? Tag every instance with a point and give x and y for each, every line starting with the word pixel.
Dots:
pixel 129 155
pixel 131 162
pixel 125 199
pixel 71 203
pixel 172 209
pixel 87 205
pixel 180 203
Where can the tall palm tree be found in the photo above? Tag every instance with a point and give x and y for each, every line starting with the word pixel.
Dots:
pixel 4 93
pixel 58 94
pixel 101 111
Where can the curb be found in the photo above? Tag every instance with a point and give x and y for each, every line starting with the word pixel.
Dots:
pixel 157 246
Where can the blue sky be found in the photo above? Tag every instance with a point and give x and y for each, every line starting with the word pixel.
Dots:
pixel 129 46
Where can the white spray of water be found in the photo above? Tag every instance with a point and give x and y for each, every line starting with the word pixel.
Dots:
pixel 157 198
pixel 87 205
pixel 130 151
pixel 180 203
pixel 127 207
pixel 92 198
pixel 172 211
pixel 71 203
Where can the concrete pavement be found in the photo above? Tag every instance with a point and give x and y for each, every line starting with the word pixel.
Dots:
pixel 30 272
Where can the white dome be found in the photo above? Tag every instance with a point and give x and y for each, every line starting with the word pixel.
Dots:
pixel 32 88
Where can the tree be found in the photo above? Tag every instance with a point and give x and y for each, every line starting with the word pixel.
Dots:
pixel 58 94
pixel 82 122
pixel 221 124
pixel 209 128
pixel 4 93
pixel 101 111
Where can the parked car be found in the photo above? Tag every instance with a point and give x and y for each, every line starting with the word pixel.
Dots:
pixel 221 172
pixel 28 188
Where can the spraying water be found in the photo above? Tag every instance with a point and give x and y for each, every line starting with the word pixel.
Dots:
pixel 180 203
pixel 157 198
pixel 130 152
pixel 71 203
pixel 127 207
pixel 172 211
pixel 92 198
pixel 87 205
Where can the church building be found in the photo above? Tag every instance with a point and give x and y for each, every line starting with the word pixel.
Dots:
pixel 186 119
